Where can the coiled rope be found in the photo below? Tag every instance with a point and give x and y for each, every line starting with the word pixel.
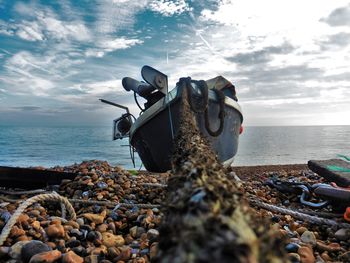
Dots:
pixel 38 198
pixel 296 214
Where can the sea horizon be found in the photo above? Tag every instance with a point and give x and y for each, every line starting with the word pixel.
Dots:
pixel 50 146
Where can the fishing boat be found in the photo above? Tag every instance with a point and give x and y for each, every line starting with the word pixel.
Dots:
pixel 213 103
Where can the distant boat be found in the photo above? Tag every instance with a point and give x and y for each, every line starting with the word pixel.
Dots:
pixel 151 135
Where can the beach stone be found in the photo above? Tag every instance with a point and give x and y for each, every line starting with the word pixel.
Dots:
pixel 15 250
pixel 36 225
pixel 100 250
pixel 55 231
pixel 80 221
pixel 111 226
pixel 74 224
pixel 301 230
pixel 92 236
pixel 113 252
pixel 80 251
pixel 308 237
pixel 4 251
pixel 96 218
pixel 23 219
pixel 136 231
pixel 125 254
pixel 110 240
pixel 71 257
pixel 306 255
pixel 46 257
pixel 32 248
pixel 292 248
pixel 319 259
pixel 153 250
pixel 77 234
pixel 294 257
pixel 102 228
pixel 342 234
pixel 325 256
pixel 16 232
pixel 332 247
pixel 73 243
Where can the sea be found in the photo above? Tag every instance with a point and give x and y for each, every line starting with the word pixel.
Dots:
pixel 52 146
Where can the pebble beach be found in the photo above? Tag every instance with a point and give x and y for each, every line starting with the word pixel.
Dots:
pixel 128 233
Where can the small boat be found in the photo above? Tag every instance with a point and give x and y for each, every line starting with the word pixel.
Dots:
pixel 151 135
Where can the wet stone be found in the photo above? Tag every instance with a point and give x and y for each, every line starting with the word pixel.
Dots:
pixel 46 257
pixel 294 257
pixel 308 237
pixel 77 234
pixel 306 255
pixel 32 248
pixel 16 249
pixel 71 257
pixel 292 248
pixel 342 234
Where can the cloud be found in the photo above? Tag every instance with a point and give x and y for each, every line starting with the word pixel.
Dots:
pixel 27 108
pixel 41 23
pixel 115 15
pixel 338 17
pixel 169 8
pixel 260 56
pixel 339 40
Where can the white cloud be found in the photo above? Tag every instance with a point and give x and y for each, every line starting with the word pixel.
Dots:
pixel 42 23
pixel 94 53
pixel 169 7
pixel 109 45
pixel 115 15
pixel 119 43
pixel 30 31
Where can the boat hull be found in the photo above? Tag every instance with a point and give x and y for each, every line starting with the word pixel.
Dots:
pixel 152 135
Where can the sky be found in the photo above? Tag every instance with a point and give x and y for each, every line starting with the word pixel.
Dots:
pixel 289 60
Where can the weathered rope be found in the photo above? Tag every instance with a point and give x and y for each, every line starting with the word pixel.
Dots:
pixel 38 198
pixel 155 185
pixel 93 202
pixel 112 204
pixel 301 216
pixel 25 192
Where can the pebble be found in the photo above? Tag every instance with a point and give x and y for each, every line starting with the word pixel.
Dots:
pixel 332 247
pixel 71 257
pixel 152 234
pixel 292 247
pixel 46 257
pixel 342 234
pixel 301 230
pixel 306 255
pixel 16 249
pixel 111 240
pixel 294 257
pixel 325 256
pixel 308 237
pixel 4 251
pixel 97 219
pixel 55 231
pixel 32 248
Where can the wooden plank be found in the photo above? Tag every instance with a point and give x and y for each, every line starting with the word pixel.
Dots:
pixel 334 170
pixel 27 178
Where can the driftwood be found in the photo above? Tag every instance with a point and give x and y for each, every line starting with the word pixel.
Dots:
pixel 207 218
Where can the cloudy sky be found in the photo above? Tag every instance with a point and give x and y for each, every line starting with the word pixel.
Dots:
pixel 289 60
